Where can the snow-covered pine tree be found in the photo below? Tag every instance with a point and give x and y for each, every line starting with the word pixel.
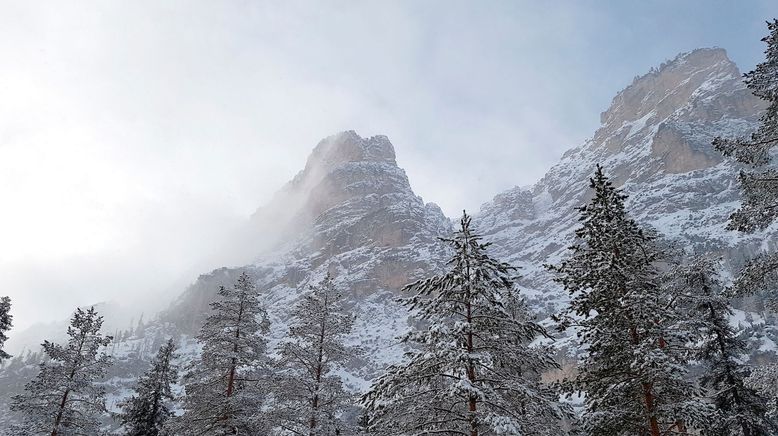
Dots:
pixel 310 398
pixel 741 410
pixel 765 380
pixel 633 372
pixel 63 399
pixel 5 325
pixel 222 397
pixel 759 189
pixel 147 411
pixel 470 368
pixel 759 277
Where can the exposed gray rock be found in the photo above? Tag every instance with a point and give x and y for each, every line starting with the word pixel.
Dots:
pixel 655 141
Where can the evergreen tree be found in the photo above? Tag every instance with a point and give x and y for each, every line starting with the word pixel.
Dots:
pixel 146 412
pixel 63 398
pixel 759 189
pixel 221 398
pixel 742 411
pixel 470 369
pixel 765 380
pixel 5 325
pixel 760 277
pixel 633 372
pixel 311 399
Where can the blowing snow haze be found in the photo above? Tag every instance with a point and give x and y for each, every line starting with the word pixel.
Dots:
pixel 141 143
pixel 135 138
pixel 176 165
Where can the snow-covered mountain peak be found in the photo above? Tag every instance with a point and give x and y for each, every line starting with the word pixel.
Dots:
pixel 660 92
pixel 351 193
pixel 655 142
pixel 341 149
pixel 348 146
pixel 649 122
pixel 350 213
pixel 663 122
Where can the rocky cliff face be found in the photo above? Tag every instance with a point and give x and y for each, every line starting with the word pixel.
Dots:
pixel 654 141
pixel 352 178
pixel 350 213
pixel 357 196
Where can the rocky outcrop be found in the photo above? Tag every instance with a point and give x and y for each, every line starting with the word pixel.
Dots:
pixel 351 196
pixel 351 213
pixel 351 193
pixel 655 142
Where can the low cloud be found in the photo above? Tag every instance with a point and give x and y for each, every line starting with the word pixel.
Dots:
pixel 136 137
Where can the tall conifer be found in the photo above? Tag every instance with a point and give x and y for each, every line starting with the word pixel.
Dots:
pixel 311 398
pixel 633 373
pixel 759 188
pixel 5 324
pixel 148 410
pixel 222 392
pixel 470 368
pixel 741 410
pixel 64 399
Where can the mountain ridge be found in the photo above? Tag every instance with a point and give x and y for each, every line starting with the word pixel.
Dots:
pixel 655 143
pixel 351 211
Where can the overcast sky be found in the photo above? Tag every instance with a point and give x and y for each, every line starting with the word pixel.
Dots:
pixel 136 134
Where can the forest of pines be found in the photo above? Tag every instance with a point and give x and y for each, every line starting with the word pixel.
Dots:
pixel 657 354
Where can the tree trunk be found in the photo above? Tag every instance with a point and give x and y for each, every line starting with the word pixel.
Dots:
pixel 648 395
pixel 471 377
pixel 154 411
pixel 471 406
pixel 234 363
pixel 231 377
pixel 61 410
pixel 319 360
pixel 730 378
pixel 157 397
pixel 649 399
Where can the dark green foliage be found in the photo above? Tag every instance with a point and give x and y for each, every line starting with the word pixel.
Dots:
pixel 148 410
pixel 741 410
pixel 470 369
pixel 759 188
pixel 5 324
pixel 634 371
pixel 64 399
